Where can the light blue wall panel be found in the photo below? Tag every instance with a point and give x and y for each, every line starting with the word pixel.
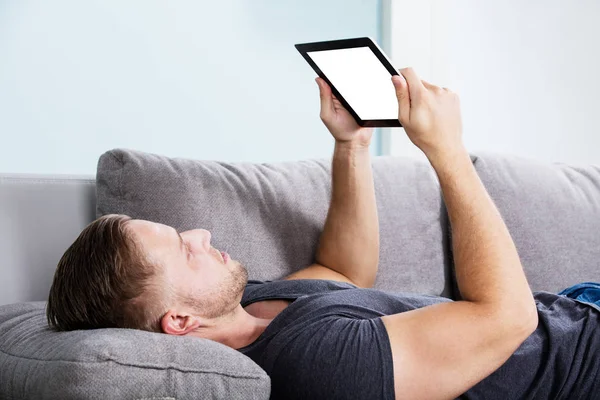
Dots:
pixel 203 79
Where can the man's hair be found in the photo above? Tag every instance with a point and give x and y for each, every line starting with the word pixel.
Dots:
pixel 104 280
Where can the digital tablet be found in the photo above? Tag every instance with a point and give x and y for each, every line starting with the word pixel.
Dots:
pixel 359 74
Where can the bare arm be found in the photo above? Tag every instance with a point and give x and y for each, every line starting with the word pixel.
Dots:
pixel 442 350
pixel 488 268
pixel 349 243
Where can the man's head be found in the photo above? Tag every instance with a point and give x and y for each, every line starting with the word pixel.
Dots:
pixel 139 274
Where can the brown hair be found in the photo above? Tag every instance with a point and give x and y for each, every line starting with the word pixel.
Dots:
pixel 104 281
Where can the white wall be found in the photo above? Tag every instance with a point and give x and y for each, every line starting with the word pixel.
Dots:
pixel 216 79
pixel 527 72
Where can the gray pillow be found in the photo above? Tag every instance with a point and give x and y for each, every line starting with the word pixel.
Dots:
pixel 269 216
pixel 38 363
pixel 552 211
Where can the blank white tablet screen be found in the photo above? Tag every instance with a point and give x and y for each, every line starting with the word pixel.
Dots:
pixel 361 79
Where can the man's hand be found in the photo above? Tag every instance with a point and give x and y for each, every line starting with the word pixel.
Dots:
pixel 339 121
pixel 429 114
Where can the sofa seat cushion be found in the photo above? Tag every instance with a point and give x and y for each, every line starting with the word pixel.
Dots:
pixel 39 363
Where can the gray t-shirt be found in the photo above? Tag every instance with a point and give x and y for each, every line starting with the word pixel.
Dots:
pixel 330 343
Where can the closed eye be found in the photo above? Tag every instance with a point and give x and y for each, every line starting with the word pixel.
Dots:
pixel 184 245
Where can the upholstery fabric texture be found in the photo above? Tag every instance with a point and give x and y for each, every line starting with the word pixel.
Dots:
pixel 38 363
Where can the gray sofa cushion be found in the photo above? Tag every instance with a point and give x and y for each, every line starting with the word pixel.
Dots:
pixel 552 211
pixel 37 363
pixel 269 216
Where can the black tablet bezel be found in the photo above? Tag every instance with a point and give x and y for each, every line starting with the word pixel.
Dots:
pixel 304 48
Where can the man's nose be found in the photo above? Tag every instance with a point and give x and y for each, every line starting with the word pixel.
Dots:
pixel 208 236
pixel 199 238
pixel 204 236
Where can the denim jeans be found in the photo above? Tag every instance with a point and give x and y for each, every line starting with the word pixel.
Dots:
pixel 588 292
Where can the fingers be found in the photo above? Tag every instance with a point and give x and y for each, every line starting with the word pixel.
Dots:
pixel 408 88
pixel 415 86
pixel 429 86
pixel 434 88
pixel 326 98
pixel 403 96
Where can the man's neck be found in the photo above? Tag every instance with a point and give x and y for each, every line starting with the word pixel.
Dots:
pixel 237 329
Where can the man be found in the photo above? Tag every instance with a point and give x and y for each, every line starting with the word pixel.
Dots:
pixel 323 332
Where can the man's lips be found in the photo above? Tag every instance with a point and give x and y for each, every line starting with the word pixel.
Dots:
pixel 225 257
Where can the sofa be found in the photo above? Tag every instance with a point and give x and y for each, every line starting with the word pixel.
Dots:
pixel 269 217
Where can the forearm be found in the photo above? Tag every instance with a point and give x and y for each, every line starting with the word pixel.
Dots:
pixel 488 268
pixel 349 243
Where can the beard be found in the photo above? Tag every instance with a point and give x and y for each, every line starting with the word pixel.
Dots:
pixel 224 299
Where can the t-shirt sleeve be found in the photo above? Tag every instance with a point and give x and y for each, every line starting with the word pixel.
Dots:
pixel 334 357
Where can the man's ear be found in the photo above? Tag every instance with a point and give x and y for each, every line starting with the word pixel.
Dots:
pixel 178 323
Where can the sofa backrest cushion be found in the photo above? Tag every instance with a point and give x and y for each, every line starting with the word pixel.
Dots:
pixel 552 211
pixel 269 216
pixel 38 363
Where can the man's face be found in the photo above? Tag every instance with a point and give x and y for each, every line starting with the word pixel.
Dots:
pixel 192 267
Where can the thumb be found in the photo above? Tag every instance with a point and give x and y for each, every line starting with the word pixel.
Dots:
pixel 403 96
pixel 326 98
